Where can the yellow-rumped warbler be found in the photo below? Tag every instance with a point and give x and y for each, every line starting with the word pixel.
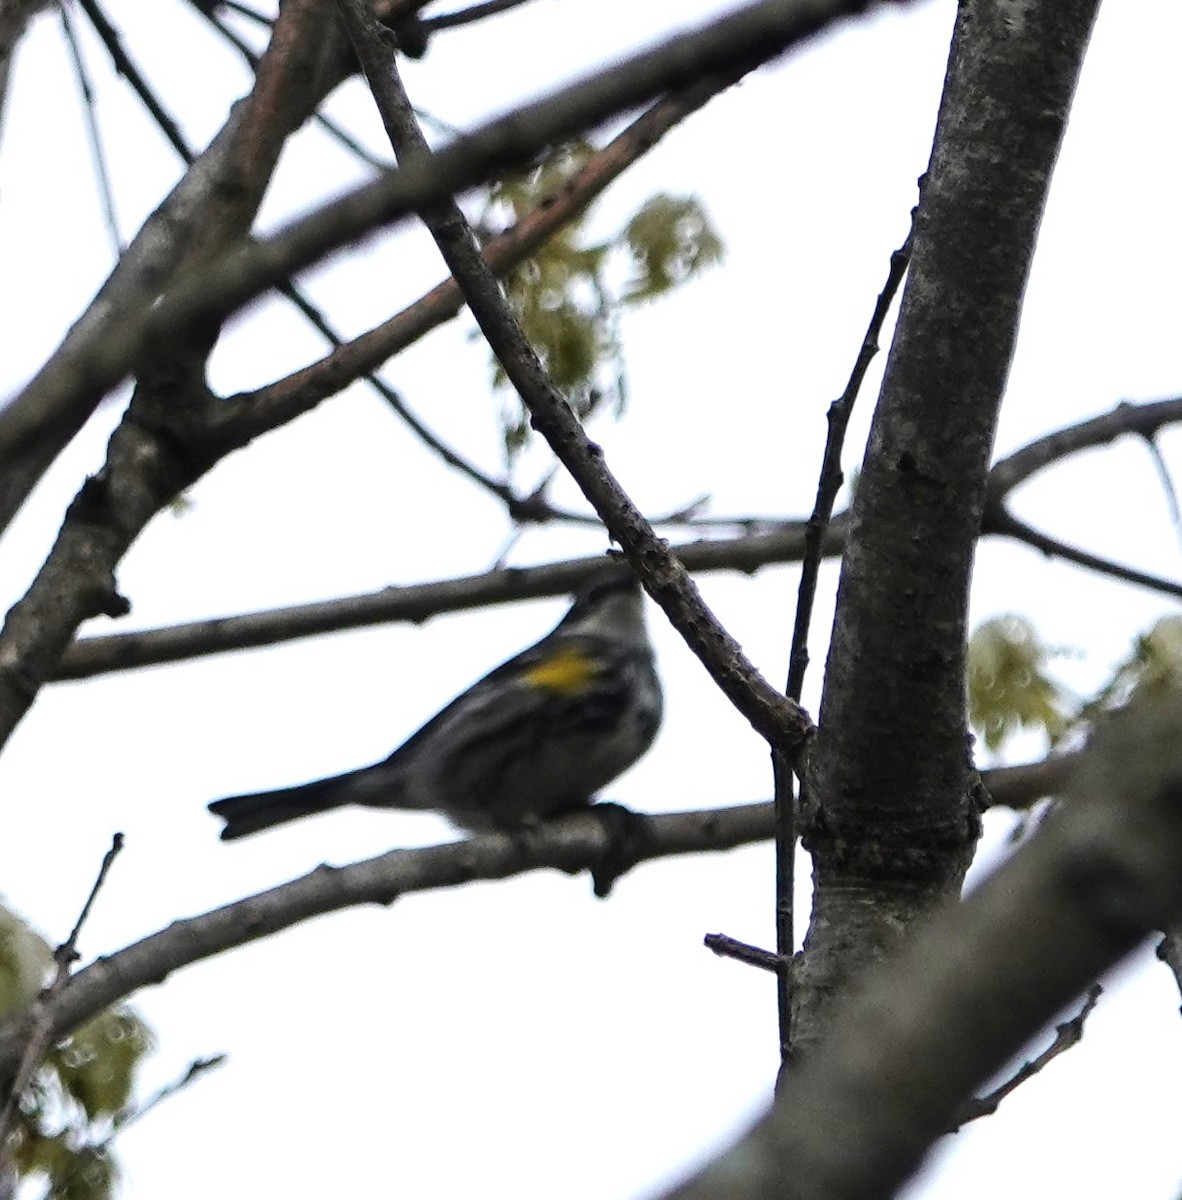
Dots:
pixel 538 735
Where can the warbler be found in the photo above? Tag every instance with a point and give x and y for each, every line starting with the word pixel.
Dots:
pixel 538 735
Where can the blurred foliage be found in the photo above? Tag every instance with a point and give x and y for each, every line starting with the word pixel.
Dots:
pixel 1008 686
pixel 80 1092
pixel 670 240
pixel 1153 665
pixel 25 961
pixel 563 296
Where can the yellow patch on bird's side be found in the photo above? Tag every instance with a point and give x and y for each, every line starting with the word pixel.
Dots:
pixel 567 671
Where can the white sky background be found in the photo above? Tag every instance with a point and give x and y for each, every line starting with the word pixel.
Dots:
pixel 522 1038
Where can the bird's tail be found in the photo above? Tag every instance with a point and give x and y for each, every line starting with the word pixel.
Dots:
pixel 250 814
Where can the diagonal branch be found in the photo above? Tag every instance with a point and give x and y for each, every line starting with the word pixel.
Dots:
pixel 1005 524
pixel 269 406
pixel 46 414
pixel 1067 1034
pixel 780 721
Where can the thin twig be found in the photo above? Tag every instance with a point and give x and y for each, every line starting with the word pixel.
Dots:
pixel 728 947
pixel 466 16
pixel 197 1068
pixel 999 520
pixel 1067 1035
pixel 828 485
pixel 124 66
pixel 831 476
pixel 41 1034
pixel 449 455
pixel 124 1120
pixel 68 951
pixel 1167 483
pixel 94 135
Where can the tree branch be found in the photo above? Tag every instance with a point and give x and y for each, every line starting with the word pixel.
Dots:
pixel 164 441
pixel 415 603
pixel 56 403
pixel 46 413
pixel 1143 420
pixel 786 543
pixel 168 127
pixel 571 844
pixel 254 413
pixel 1067 1034
pixel 1025 785
pixel 752 956
pixel 1003 523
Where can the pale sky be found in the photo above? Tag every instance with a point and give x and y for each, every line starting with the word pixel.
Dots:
pixel 523 1038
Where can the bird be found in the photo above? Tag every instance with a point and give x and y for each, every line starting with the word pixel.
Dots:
pixel 537 736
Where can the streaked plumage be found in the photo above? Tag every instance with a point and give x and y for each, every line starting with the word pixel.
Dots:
pixel 538 735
